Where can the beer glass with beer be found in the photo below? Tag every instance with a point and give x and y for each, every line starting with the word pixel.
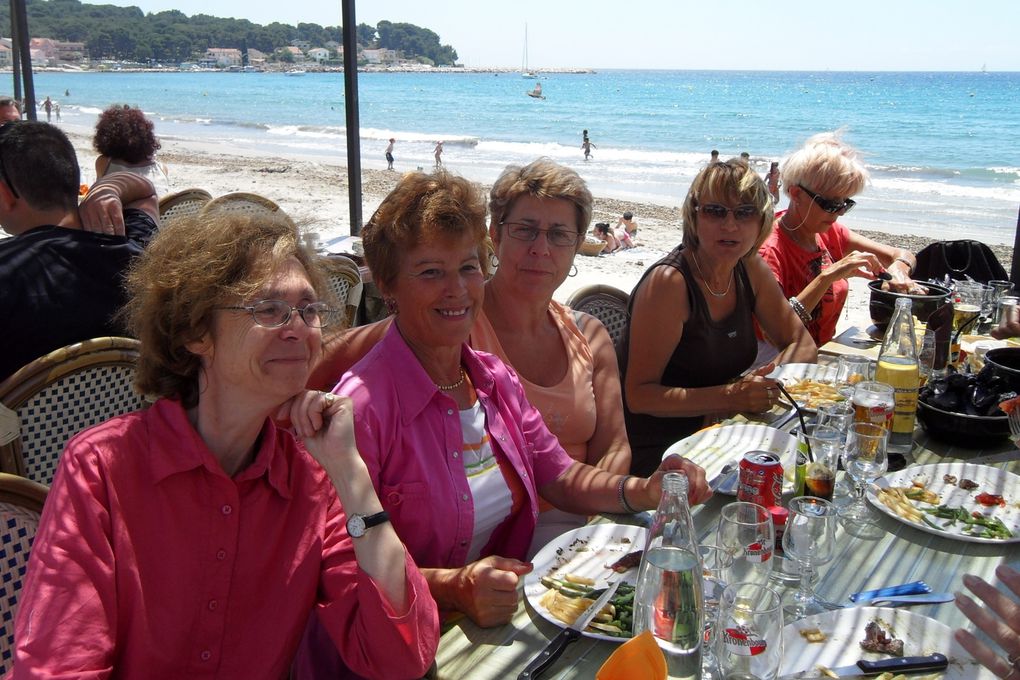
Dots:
pixel 970 300
pixel 865 460
pixel 874 403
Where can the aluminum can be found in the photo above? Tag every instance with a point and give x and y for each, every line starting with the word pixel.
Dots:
pixel 761 479
pixel 1005 303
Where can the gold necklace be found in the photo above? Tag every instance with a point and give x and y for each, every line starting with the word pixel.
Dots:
pixel 452 386
pixel 729 284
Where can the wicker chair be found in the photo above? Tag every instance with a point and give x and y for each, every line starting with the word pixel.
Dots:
pixel 61 394
pixel 345 284
pixel 182 204
pixel 21 502
pixel 240 202
pixel 605 303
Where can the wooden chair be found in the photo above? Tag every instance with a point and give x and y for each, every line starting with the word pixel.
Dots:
pixel 344 279
pixel 21 503
pixel 61 394
pixel 182 204
pixel 605 303
pixel 240 202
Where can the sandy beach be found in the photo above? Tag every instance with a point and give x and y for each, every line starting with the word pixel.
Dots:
pixel 315 194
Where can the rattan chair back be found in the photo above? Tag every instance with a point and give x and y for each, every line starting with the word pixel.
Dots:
pixel 61 394
pixel 605 303
pixel 21 503
pixel 182 204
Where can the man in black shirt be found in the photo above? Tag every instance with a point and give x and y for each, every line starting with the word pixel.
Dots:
pixel 59 282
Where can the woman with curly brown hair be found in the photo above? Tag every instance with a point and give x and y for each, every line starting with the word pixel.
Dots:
pixel 126 142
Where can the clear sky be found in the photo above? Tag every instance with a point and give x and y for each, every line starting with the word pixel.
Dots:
pixel 865 35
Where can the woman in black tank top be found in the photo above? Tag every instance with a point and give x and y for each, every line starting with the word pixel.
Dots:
pixel 691 334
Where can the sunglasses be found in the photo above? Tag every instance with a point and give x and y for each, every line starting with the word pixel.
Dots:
pixel 829 205
pixel 715 211
pixel 4 177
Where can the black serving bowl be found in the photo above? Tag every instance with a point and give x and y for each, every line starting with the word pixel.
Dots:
pixel 972 432
pixel 922 306
pixel 1005 362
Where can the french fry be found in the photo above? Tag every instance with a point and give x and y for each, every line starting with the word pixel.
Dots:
pixel 812 393
pixel 896 500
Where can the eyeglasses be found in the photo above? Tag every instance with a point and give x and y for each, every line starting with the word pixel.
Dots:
pixel 4 177
pixel 715 211
pixel 276 313
pixel 561 238
pixel 829 205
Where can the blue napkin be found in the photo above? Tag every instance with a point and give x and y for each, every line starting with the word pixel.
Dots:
pixel 914 588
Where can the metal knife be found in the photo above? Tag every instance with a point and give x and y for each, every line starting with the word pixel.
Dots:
pixel 569 634
pixel 723 476
pixel 869 669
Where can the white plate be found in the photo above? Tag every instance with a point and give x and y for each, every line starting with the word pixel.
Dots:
pixel 990 480
pixel 844 629
pixel 584 552
pixel 790 374
pixel 714 447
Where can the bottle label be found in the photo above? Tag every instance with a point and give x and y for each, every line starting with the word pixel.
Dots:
pixel 758 552
pixel 744 641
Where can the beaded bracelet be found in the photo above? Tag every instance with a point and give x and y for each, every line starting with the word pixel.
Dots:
pixel 620 496
pixel 798 307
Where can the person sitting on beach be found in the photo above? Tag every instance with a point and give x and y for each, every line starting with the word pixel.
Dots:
pixel 810 253
pixel 691 331
pixel 628 222
pixel 448 431
pixel 10 109
pixel 126 142
pixel 603 233
pixel 196 537
pixel 773 182
pixel 389 154
pixel 61 281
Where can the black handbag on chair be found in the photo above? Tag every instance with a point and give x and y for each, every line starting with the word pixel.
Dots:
pixel 958 260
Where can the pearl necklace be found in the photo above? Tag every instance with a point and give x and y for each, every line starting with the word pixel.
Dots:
pixel 729 284
pixel 452 386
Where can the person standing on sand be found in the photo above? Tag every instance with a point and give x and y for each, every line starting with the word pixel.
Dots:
pixel 772 180
pixel 48 105
pixel 389 154
pixel 439 153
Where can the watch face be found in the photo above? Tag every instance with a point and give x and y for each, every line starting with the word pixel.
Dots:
pixel 356 526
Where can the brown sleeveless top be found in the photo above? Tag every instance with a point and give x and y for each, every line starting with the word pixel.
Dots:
pixel 709 353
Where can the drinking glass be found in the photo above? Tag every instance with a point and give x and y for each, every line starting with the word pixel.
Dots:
pixel 810 540
pixel 745 530
pixel 865 460
pixel 926 357
pixel 749 641
pixel 715 565
pixel 818 452
pixel 851 370
pixel 839 415
pixel 970 297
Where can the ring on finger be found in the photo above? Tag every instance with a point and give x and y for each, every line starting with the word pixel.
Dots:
pixel 329 398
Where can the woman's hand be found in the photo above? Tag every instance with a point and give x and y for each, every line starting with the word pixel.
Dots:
pixel 754 393
pixel 855 263
pixel 697 485
pixel 1003 629
pixel 485 590
pixel 324 422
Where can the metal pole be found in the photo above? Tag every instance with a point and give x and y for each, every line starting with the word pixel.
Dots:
pixel 1014 270
pixel 350 40
pixel 15 57
pixel 20 19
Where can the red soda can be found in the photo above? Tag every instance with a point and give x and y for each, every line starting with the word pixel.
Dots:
pixel 761 479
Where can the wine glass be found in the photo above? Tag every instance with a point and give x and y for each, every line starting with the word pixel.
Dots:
pixel 865 460
pixel 851 370
pixel 745 530
pixel 749 637
pixel 810 540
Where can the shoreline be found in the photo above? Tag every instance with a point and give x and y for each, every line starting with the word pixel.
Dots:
pixel 314 193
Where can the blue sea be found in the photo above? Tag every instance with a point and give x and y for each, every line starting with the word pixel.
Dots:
pixel 943 148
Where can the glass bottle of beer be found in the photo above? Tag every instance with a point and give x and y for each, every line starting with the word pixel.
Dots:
pixel 897 366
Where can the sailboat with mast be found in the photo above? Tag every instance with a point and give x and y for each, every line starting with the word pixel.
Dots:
pixel 525 71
